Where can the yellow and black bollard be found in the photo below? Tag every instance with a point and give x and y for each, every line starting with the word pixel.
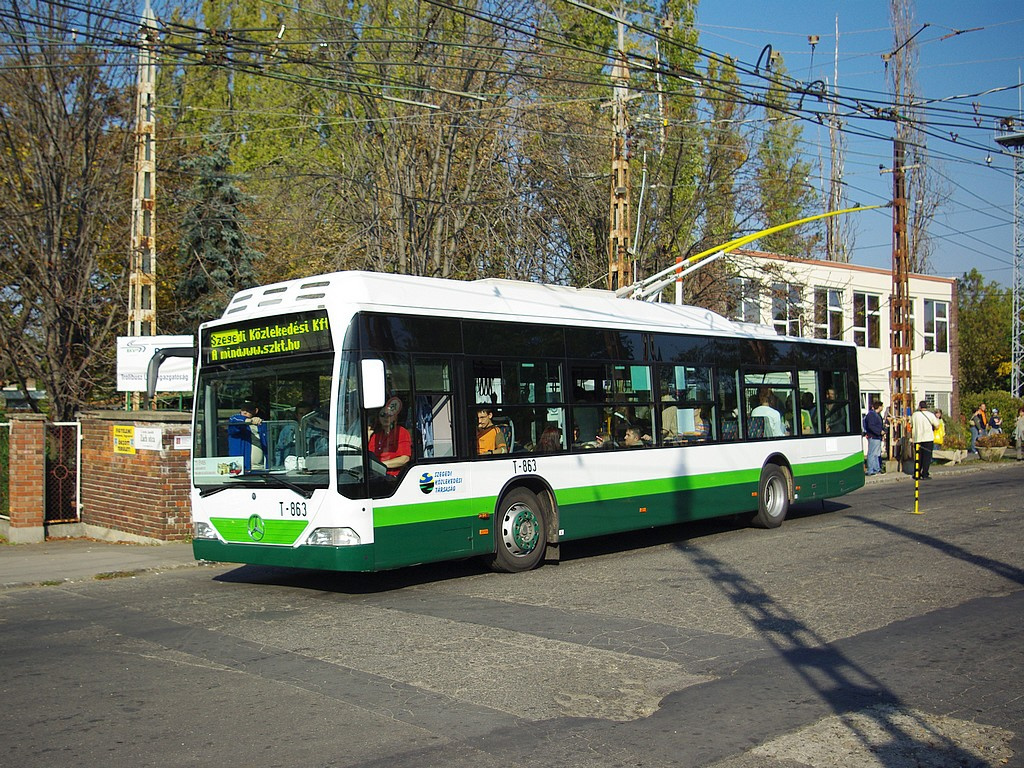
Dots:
pixel 917 478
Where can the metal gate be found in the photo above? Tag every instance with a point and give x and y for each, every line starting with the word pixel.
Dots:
pixel 63 457
pixel 5 469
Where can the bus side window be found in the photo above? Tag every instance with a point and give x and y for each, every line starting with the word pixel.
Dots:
pixel 434 434
pixel 728 404
pixel 807 383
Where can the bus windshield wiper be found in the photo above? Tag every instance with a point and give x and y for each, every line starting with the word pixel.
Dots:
pixel 306 493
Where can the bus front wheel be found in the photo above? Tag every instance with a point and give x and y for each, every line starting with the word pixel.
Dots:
pixel 520 533
pixel 772 497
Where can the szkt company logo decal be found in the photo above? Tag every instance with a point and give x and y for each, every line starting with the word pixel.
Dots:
pixel 426 482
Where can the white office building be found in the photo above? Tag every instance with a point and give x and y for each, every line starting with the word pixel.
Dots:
pixel 832 300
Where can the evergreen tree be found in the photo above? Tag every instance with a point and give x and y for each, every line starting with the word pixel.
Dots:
pixel 215 254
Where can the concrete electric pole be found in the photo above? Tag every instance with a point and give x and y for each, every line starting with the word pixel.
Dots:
pixel 142 253
pixel 619 261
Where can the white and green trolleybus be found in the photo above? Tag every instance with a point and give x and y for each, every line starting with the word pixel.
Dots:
pixel 611 415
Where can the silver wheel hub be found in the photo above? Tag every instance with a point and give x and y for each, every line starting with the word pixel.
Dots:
pixel 520 530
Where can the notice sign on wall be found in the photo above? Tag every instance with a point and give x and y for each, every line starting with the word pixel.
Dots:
pixel 129 439
pixel 134 354
pixel 124 439
pixel 149 439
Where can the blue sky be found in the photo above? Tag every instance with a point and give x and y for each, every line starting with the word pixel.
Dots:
pixel 975 226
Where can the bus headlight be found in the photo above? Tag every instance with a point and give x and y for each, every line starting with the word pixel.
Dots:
pixel 333 537
pixel 203 531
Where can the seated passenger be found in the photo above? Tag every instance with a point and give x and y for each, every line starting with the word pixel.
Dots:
pixel 489 439
pixel 634 439
pixel 773 426
pixel 550 441
pixel 390 442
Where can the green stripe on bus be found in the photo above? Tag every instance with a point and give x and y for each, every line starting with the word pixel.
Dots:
pixel 433 511
pixel 285 532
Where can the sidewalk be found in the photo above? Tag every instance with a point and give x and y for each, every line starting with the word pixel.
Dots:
pixel 60 560
pixel 938 469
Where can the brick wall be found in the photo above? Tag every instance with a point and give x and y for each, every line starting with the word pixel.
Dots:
pixel 27 478
pixel 145 493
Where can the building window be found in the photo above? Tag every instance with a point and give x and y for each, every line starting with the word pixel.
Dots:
pixel 941 400
pixel 936 326
pixel 867 398
pixel 828 314
pixel 786 309
pixel 867 320
pixel 744 302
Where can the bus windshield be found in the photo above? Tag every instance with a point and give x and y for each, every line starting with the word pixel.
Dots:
pixel 265 423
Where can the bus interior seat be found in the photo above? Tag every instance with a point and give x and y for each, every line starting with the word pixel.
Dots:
pixel 731 429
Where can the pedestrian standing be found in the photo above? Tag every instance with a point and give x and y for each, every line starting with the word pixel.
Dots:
pixel 995 424
pixel 979 426
pixel 1018 433
pixel 922 424
pixel 940 430
pixel 874 428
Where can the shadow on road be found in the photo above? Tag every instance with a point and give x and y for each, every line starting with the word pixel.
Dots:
pixel 1007 571
pixel 855 695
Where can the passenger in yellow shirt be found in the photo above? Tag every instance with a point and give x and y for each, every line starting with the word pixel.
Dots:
pixel 489 438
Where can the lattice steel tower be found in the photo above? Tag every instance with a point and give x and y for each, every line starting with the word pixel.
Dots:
pixel 1012 138
pixel 142 253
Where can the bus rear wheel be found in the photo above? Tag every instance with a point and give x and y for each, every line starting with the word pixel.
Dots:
pixel 772 497
pixel 520 532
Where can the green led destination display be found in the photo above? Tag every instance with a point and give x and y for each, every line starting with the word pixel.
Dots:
pixel 298 333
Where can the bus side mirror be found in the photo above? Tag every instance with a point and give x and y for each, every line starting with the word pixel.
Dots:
pixel 374 387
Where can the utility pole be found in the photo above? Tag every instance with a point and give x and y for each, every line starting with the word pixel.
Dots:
pixel 835 243
pixel 1012 138
pixel 901 390
pixel 619 262
pixel 142 249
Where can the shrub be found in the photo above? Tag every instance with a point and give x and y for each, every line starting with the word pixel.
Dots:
pixel 957 436
pixel 1004 401
pixel 993 440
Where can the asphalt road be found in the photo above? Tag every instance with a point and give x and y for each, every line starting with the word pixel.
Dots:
pixel 858 634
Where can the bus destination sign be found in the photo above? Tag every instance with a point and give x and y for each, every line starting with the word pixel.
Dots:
pixel 298 333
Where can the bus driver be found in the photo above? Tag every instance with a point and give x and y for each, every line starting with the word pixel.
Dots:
pixel 390 442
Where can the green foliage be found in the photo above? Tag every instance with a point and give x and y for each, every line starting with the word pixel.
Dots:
pixel 985 320
pixel 216 257
pixel 957 435
pixel 993 398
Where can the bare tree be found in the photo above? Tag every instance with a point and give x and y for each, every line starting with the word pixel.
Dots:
pixel 64 198
pixel 923 196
